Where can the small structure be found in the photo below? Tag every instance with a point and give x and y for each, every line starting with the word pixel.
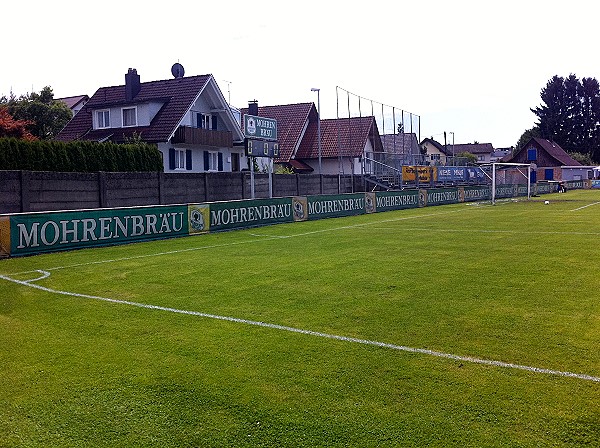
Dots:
pixel 434 152
pixel 547 158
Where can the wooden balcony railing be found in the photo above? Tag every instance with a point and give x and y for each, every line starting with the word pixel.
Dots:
pixel 206 137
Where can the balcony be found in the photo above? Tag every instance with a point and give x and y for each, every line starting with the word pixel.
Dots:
pixel 196 136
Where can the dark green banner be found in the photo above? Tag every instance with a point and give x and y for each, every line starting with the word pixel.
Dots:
pixel 55 231
pixel 333 206
pixel 396 200
pixel 250 213
pixel 477 194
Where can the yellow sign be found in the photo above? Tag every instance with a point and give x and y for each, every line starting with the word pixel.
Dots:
pixel 425 173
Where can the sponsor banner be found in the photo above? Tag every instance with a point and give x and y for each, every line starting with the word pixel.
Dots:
pixel 199 218
pixel 439 196
pixel 521 190
pixel 370 202
pixel 595 184
pixel 4 235
pixel 425 173
pixel 333 206
pixel 543 188
pixel 505 191
pixel 480 193
pixel 452 174
pixel 250 213
pixel 395 200
pixel 56 231
pixel 574 184
pixel 300 208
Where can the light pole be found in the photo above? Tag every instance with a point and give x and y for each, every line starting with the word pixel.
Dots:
pixel 318 123
pixel 453 160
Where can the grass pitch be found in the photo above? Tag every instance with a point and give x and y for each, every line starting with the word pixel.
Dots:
pixel 462 325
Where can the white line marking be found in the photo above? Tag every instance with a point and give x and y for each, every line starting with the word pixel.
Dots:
pixel 254 240
pixel 519 232
pixel 585 206
pixel 316 333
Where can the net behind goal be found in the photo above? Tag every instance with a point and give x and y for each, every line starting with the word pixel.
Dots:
pixel 515 175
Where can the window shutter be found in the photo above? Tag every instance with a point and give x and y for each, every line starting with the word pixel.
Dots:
pixel 206 161
pixel 171 158
pixel 214 122
pixel 188 159
pixel 220 161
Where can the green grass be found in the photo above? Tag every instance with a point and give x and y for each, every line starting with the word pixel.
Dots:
pixel 517 283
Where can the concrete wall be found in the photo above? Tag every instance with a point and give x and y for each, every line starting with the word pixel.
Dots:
pixel 26 191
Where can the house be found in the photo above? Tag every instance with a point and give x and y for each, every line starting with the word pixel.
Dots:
pixel 500 153
pixel 547 157
pixel 434 152
pixel 483 151
pixel 346 143
pixel 75 103
pixel 186 117
pixel 401 149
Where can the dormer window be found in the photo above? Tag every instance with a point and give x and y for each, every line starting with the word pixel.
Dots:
pixel 103 119
pixel 206 121
pixel 129 116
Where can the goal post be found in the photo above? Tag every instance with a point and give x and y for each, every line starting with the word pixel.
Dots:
pixel 517 167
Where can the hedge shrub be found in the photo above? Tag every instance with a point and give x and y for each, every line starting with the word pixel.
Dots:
pixel 79 156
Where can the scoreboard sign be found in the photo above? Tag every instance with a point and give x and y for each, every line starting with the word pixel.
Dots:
pixel 260 127
pixel 261 148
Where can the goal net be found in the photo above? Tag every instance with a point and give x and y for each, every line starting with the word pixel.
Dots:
pixel 508 175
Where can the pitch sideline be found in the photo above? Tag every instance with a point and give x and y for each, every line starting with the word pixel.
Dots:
pixel 46 274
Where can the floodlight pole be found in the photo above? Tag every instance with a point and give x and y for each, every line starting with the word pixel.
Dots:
pixel 314 89
pixel 493 184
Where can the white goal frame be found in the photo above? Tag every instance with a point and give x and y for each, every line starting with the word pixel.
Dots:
pixel 493 177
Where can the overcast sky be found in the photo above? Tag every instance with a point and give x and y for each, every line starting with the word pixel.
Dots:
pixel 472 68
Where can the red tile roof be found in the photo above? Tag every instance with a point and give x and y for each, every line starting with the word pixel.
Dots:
pixel 177 94
pixel 340 136
pixel 292 120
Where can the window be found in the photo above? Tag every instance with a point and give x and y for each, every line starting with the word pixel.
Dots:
pixel 180 159
pixel 435 156
pixel 213 161
pixel 481 157
pixel 103 119
pixel 531 154
pixel 206 121
pixel 129 116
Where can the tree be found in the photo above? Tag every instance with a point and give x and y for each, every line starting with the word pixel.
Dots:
pixel 526 136
pixel 9 127
pixel 45 115
pixel 570 114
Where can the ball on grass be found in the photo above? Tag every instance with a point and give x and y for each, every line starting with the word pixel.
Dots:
pixel 546 202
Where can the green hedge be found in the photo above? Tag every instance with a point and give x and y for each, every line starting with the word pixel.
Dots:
pixel 79 156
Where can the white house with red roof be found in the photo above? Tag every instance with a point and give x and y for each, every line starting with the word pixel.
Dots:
pixel 186 117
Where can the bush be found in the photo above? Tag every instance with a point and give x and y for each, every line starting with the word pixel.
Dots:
pixel 80 156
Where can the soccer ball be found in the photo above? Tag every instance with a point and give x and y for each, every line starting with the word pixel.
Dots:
pixel 546 202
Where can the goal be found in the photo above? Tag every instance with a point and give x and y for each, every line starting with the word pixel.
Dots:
pixel 512 174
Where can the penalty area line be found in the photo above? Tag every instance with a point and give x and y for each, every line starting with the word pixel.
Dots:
pixel 402 348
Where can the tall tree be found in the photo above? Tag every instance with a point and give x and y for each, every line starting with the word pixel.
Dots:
pixel 570 114
pixel 45 115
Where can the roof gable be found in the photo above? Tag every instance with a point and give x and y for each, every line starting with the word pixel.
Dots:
pixel 176 95
pixel 557 156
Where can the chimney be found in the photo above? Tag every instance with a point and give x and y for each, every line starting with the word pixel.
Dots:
pixel 253 108
pixel 132 84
